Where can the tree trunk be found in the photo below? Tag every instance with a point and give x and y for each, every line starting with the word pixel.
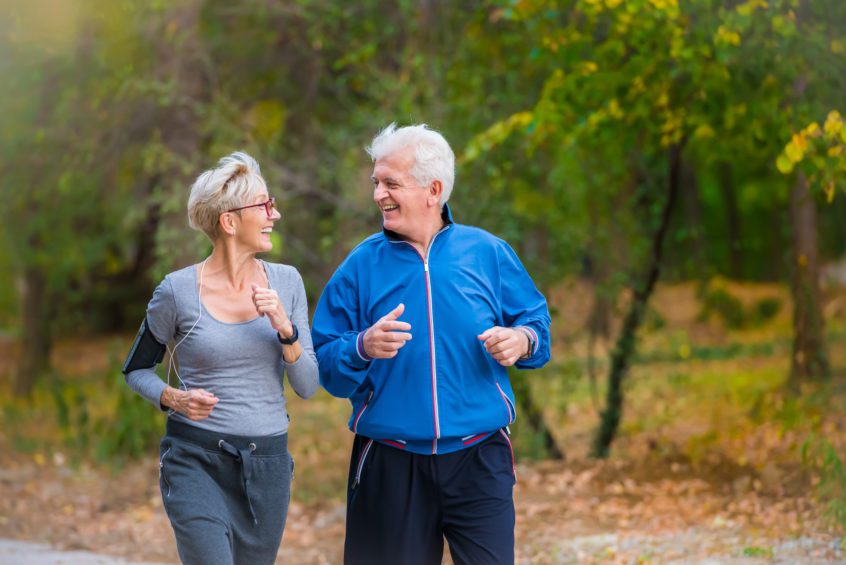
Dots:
pixel 809 361
pixel 528 409
pixel 625 346
pixel 693 220
pixel 36 340
pixel 729 193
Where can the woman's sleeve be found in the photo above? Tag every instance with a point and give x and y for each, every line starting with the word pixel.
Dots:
pixel 302 374
pixel 161 321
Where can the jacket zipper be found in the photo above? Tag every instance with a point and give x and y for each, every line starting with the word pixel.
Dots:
pixel 431 336
pixel 361 412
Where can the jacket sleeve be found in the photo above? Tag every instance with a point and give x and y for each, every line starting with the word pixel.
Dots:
pixel 302 374
pixel 342 364
pixel 524 305
pixel 161 320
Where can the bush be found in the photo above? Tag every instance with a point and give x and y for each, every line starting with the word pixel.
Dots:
pixel 717 300
pixel 103 418
pixel 819 454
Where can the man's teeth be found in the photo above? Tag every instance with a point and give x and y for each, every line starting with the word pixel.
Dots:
pixel 266 230
pixel 389 207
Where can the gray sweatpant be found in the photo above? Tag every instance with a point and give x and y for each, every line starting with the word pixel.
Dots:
pixel 226 496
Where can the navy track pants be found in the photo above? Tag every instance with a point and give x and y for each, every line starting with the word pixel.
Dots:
pixel 401 505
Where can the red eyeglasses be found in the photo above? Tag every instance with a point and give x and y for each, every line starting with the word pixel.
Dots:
pixel 269 207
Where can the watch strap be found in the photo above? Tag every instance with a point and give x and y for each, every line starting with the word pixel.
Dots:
pixel 290 340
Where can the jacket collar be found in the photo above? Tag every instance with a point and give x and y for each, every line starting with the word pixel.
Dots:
pixel 446 216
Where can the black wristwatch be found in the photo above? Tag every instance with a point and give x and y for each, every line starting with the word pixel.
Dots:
pixel 291 340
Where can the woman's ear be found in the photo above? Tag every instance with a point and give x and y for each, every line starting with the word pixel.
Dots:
pixel 227 223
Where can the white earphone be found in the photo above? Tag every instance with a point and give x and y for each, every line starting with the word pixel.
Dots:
pixel 172 352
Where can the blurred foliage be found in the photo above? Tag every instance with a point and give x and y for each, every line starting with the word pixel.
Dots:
pixel 113 107
pixel 562 113
pixel 716 299
pixel 824 148
pixel 102 419
pixel 821 455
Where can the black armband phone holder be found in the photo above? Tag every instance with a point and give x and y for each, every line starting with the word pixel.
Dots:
pixel 146 352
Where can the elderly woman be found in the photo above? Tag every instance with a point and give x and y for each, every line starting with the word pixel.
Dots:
pixel 236 325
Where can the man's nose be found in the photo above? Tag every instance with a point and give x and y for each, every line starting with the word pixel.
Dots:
pixel 379 191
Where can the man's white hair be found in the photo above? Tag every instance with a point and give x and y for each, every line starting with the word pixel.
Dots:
pixel 235 182
pixel 433 157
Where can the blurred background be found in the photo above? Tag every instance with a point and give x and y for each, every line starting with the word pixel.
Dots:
pixel 673 176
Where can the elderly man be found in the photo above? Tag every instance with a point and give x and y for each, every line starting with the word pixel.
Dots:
pixel 417 328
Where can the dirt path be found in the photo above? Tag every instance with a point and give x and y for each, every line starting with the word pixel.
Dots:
pixel 15 552
pixel 593 513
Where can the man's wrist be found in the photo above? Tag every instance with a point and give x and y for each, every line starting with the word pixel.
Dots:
pixel 530 341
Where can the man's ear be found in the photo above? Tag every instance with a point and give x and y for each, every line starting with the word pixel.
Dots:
pixel 435 191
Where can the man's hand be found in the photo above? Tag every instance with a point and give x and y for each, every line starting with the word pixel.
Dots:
pixel 196 403
pixel 384 339
pixel 506 345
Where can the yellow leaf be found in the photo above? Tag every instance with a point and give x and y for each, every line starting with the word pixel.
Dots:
pixel 835 151
pixel 704 131
pixel 838 46
pixel 727 37
pixel 588 67
pixel 784 165
pixel 829 191
pixel 833 124
pixel 813 130
pixel 614 109
pixel 794 152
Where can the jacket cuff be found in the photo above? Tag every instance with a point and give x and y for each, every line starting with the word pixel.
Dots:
pixel 359 348
pixel 534 343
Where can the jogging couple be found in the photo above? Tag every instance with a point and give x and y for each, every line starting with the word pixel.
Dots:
pixel 417 327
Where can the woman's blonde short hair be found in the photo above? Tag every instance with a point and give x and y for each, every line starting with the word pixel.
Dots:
pixel 234 182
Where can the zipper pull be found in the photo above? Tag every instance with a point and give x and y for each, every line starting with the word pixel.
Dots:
pixel 426 266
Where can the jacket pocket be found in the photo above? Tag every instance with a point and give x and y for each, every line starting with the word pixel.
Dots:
pixel 509 406
pixel 360 413
pixel 359 467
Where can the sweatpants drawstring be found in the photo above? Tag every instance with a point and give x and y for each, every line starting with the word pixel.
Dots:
pixel 244 457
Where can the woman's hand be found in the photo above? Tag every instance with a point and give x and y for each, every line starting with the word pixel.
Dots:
pixel 196 404
pixel 267 304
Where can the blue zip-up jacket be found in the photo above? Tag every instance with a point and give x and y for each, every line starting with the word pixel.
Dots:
pixel 442 392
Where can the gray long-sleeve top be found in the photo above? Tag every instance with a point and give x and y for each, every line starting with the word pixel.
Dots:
pixel 240 363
